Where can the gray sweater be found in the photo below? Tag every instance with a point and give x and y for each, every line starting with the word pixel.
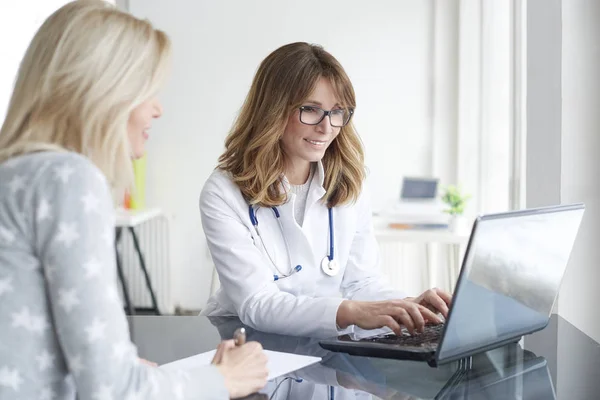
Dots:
pixel 63 332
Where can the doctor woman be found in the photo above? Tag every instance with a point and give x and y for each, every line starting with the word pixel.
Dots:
pixel 287 221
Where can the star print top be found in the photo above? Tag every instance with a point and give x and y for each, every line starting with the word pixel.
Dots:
pixel 63 333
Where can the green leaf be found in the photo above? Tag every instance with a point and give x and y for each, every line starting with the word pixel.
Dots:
pixel 455 200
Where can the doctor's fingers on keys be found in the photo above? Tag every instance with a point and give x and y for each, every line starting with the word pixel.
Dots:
pixel 391 313
pixel 409 314
pixel 436 300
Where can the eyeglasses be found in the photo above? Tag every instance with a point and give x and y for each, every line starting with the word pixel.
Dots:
pixel 311 115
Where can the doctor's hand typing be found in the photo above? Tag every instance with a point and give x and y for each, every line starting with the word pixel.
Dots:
pixel 244 367
pixel 413 313
pixel 435 300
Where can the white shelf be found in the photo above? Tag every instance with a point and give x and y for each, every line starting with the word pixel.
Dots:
pixel 445 236
pixel 420 236
pixel 131 218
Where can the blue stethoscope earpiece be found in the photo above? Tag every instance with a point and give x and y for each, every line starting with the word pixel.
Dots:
pixel 297 268
pixel 329 265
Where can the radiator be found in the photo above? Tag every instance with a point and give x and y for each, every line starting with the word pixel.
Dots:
pixel 404 266
pixel 154 240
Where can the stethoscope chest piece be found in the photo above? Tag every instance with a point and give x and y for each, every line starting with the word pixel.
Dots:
pixel 330 267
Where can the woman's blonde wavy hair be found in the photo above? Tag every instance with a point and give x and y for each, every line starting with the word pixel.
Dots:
pixel 253 153
pixel 87 67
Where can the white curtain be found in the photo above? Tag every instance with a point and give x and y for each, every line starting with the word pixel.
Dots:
pixel 472 99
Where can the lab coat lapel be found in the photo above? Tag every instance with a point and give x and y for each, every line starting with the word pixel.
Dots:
pixel 316 219
pixel 303 239
pixel 317 191
pixel 300 246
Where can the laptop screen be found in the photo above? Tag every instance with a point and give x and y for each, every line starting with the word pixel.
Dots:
pixel 510 277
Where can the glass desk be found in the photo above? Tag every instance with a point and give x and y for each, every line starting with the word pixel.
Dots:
pixel 559 362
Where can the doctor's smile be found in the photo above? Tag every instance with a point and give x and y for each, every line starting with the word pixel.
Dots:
pixel 316 143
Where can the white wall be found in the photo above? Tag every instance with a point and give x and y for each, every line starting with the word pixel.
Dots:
pixel 217 48
pixel 563 138
pixel 19 20
pixel 543 103
pixel 580 172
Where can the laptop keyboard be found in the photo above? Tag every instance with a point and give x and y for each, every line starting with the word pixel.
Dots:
pixel 429 338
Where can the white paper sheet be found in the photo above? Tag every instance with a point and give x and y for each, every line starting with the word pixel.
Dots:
pixel 278 363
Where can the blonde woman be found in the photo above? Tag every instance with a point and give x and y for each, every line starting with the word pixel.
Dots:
pixel 82 106
pixel 287 222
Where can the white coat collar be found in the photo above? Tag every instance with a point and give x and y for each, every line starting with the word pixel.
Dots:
pixel 317 191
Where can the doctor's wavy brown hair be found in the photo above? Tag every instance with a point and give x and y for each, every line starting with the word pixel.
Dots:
pixel 253 153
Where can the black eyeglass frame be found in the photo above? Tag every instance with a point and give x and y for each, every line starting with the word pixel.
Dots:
pixel 325 114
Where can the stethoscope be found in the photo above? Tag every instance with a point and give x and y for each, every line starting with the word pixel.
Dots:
pixel 328 265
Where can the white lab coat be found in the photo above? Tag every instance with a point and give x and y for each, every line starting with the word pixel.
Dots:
pixel 306 303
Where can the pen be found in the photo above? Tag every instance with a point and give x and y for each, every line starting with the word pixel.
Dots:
pixel 239 336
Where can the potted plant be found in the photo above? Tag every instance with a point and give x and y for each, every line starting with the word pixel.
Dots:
pixel 456 202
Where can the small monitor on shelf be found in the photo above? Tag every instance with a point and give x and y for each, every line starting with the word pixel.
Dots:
pixel 420 189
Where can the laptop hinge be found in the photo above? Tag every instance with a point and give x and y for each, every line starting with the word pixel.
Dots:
pixel 465 365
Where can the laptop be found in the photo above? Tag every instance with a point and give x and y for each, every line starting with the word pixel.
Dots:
pixel 507 286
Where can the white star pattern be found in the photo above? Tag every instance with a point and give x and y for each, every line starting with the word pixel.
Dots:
pixel 32 323
pixel 112 295
pixel 108 236
pixel 68 299
pixel 47 394
pixel 43 211
pixel 90 202
pixel 120 349
pixel 45 360
pixel 6 286
pixel 75 365
pixel 21 319
pixel 67 233
pixel 96 331
pixel 10 378
pixel 38 324
pixel 92 268
pixel 63 173
pixel 6 236
pixel 17 183
pixel 104 392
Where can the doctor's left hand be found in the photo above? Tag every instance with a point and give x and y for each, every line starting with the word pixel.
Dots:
pixel 435 300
